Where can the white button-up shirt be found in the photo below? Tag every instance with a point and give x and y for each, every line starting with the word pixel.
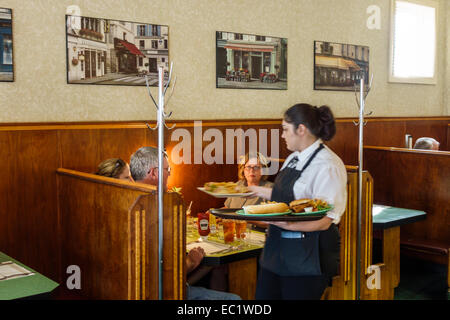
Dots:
pixel 325 178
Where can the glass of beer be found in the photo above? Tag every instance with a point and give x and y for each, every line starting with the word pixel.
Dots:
pixel 241 231
pixel 228 230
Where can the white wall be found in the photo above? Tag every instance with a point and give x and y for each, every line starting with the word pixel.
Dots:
pixel 40 92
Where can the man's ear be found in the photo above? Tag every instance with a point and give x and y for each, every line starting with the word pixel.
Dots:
pixel 151 173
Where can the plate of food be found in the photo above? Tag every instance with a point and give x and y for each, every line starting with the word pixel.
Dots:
pixel 225 189
pixel 309 207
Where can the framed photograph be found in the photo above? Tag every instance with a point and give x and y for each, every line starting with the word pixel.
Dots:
pixel 339 66
pixel 247 61
pixel 111 52
pixel 6 46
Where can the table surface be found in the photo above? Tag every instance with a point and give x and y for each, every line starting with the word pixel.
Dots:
pixel 239 253
pixel 384 217
pixel 17 288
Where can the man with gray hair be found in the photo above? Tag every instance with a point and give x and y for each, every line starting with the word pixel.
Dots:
pixel 144 166
pixel 144 169
pixel 426 143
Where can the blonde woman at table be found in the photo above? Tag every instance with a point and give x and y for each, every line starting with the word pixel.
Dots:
pixel 300 258
pixel 250 173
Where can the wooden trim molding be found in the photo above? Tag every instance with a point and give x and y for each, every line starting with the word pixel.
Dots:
pixel 106 180
pixel 442 153
pixel 141 124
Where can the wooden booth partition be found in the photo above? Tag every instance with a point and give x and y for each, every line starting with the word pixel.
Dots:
pixel 109 230
pixel 344 285
pixel 420 180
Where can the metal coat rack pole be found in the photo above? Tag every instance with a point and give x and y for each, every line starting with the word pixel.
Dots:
pixel 160 125
pixel 361 104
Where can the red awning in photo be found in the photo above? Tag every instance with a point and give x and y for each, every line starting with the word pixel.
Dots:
pixel 249 47
pixel 131 48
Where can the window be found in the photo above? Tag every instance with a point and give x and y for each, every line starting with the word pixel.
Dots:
pixel 413 41
pixel 154 44
pixel 7 49
pixel 155 30
pixel 260 38
pixel 238 36
pixel 141 31
pixel 141 44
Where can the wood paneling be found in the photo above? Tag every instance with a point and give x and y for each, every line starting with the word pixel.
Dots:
pixel 33 152
pixel 28 206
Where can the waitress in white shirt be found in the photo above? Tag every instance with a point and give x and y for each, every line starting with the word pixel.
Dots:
pixel 300 258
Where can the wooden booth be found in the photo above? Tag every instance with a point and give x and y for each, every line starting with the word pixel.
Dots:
pixel 420 180
pixel 109 229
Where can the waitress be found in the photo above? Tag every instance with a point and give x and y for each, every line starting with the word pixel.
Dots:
pixel 300 258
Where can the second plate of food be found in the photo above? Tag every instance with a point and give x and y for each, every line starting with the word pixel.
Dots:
pixel 225 195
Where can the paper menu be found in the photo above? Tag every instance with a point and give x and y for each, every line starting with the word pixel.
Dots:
pixel 10 270
pixel 209 247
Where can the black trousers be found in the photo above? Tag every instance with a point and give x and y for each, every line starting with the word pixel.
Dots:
pixel 271 286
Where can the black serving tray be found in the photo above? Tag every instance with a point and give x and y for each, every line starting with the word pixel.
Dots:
pixel 230 213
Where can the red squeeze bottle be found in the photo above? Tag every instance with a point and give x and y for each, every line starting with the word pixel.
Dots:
pixel 203 224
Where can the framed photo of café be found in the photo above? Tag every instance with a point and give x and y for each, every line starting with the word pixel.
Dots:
pixel 6 46
pixel 111 52
pixel 246 61
pixel 340 66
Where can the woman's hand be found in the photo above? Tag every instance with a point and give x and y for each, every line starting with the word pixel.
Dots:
pixel 262 192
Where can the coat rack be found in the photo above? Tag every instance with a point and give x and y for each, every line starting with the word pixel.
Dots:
pixel 361 105
pixel 161 123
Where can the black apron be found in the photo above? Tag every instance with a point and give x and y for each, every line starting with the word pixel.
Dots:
pixel 292 253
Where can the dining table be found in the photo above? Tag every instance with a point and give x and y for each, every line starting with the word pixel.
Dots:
pixel 18 281
pixel 387 221
pixel 240 257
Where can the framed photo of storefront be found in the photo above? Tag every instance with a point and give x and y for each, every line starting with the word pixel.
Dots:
pixel 112 52
pixel 6 46
pixel 247 61
pixel 339 66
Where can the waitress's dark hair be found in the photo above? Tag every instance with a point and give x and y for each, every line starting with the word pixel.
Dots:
pixel 320 121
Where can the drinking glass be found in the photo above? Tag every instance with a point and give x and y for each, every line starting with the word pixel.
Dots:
pixel 241 227
pixel 228 230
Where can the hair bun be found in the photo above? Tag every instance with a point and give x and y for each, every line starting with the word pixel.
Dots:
pixel 326 122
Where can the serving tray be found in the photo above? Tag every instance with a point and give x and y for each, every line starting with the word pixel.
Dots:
pixel 230 213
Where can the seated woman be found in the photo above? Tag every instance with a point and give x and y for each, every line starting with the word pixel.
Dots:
pixel 115 168
pixel 250 173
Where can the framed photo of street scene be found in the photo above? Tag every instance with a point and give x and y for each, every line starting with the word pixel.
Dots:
pixel 112 52
pixel 6 46
pixel 248 61
pixel 339 66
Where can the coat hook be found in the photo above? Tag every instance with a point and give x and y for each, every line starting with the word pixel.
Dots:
pixel 171 127
pixel 153 129
pixel 149 93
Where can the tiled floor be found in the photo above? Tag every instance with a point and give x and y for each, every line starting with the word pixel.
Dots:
pixel 421 280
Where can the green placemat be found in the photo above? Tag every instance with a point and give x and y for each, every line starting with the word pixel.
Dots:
pixel 25 286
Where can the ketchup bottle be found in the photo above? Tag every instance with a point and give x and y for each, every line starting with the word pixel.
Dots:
pixel 203 224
